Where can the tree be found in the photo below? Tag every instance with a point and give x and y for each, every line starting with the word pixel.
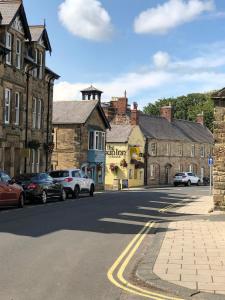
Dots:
pixel 186 107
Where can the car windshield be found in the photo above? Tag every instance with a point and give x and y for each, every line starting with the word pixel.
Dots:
pixel 27 177
pixel 58 174
pixel 179 174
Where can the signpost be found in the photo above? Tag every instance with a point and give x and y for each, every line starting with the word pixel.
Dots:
pixel 210 163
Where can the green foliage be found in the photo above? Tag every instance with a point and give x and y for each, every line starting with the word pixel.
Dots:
pixel 186 107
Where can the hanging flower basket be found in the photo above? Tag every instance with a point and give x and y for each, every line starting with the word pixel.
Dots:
pixel 99 167
pixel 49 147
pixel 123 163
pixel 114 168
pixel 34 144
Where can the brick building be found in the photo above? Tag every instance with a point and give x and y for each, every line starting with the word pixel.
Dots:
pixel 26 92
pixel 171 145
pixel 79 135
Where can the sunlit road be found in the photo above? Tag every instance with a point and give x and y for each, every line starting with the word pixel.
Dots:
pixel 64 250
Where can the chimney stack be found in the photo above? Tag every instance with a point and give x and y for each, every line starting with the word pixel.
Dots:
pixel 200 119
pixel 134 120
pixel 122 106
pixel 167 113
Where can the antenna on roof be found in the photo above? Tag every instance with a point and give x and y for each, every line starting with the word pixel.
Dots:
pixel 44 23
pixel 125 94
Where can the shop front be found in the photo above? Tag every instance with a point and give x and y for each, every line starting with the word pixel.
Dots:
pixel 125 159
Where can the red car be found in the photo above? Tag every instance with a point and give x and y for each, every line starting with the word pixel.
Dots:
pixel 10 192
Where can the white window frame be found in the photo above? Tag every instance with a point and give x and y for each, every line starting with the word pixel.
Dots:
pixel 34 113
pixel 153 149
pixel 37 161
pixel 180 150
pixel 99 140
pixel 7 106
pixel 35 71
pixel 39 108
pixel 18 53
pixel 202 151
pixel 32 160
pixel 192 150
pixel 8 43
pixel 191 168
pixel 40 65
pixel 17 108
pixel 152 170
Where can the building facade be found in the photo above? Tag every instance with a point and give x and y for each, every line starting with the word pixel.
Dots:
pixel 80 136
pixel 26 92
pixel 124 157
pixel 171 145
pixel 219 150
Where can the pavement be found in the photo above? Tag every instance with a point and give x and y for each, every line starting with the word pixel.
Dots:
pixel 190 260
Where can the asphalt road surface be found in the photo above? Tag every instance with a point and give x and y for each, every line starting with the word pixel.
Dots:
pixel 63 250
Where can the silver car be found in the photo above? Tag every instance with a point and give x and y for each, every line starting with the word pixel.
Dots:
pixel 74 181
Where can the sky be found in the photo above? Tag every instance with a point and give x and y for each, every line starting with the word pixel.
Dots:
pixel 150 48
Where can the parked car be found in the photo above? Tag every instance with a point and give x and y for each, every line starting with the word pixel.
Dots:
pixel 74 181
pixel 10 192
pixel 40 186
pixel 186 178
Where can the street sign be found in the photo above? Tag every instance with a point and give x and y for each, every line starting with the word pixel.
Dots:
pixel 210 161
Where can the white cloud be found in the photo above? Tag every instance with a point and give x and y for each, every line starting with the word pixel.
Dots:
pixel 167 76
pixel 161 59
pixel 86 19
pixel 161 19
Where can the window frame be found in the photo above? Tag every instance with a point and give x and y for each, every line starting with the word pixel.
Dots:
pixel 152 171
pixel 8 43
pixel 41 65
pixel 98 140
pixel 202 151
pixel 38 112
pixel 153 149
pixel 17 108
pixel 35 70
pixel 192 150
pixel 18 53
pixel 7 105
pixel 180 150
pixel 34 113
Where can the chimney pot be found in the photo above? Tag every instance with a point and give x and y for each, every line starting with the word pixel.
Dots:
pixel 200 119
pixel 167 113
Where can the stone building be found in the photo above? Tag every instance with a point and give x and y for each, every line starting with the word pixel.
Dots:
pixel 171 145
pixel 26 92
pixel 219 150
pixel 80 135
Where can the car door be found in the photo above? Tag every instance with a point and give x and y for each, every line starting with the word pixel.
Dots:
pixel 195 179
pixel 10 192
pixel 55 187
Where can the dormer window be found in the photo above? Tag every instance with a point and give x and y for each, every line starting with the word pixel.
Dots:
pixel 40 65
pixel 9 47
pixel 18 54
pixel 35 71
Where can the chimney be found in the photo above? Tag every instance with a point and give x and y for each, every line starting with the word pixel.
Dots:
pixel 200 119
pixel 167 113
pixel 122 106
pixel 134 119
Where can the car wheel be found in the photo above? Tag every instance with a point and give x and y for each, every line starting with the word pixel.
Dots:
pixel 44 197
pixel 189 183
pixel 21 201
pixel 175 184
pixel 76 192
pixel 92 190
pixel 63 195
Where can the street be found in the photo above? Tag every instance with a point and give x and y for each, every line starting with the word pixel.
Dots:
pixel 64 250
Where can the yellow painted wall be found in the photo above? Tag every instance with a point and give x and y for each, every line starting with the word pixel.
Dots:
pixel 122 151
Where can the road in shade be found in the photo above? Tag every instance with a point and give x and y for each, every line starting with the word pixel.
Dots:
pixel 63 250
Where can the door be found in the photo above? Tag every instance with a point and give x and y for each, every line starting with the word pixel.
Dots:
pixel 9 194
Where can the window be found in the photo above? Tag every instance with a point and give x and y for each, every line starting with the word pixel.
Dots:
pixel 76 174
pixel 140 175
pixel 32 160
pixel 135 173
pixel 152 171
pixel 190 169
pixel 37 160
pixel 9 46
pixel 35 71
pixel 17 108
pixel 153 149
pixel 97 140
pixel 7 105
pixel 180 150
pixel 5 178
pixel 39 106
pixel 130 174
pixel 192 150
pixel 18 54
pixel 40 65
pixel 167 149
pixel 180 169
pixel 202 151
pixel 34 113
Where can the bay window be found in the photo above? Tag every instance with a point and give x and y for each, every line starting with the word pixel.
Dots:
pixel 96 140
pixel 9 47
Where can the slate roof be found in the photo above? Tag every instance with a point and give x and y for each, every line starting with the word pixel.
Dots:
pixel 38 31
pixel 91 89
pixel 178 130
pixel 119 133
pixel 76 112
pixel 8 10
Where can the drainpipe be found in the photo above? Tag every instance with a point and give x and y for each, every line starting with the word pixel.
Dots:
pixel 27 113
pixel 146 163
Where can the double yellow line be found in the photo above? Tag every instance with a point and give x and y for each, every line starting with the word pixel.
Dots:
pixel 116 272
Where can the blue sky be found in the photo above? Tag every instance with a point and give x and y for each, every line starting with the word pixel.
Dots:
pixel 151 48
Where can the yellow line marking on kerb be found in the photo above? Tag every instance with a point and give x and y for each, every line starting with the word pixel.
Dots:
pixel 127 255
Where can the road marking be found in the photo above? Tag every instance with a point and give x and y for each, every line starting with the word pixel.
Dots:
pixel 123 261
